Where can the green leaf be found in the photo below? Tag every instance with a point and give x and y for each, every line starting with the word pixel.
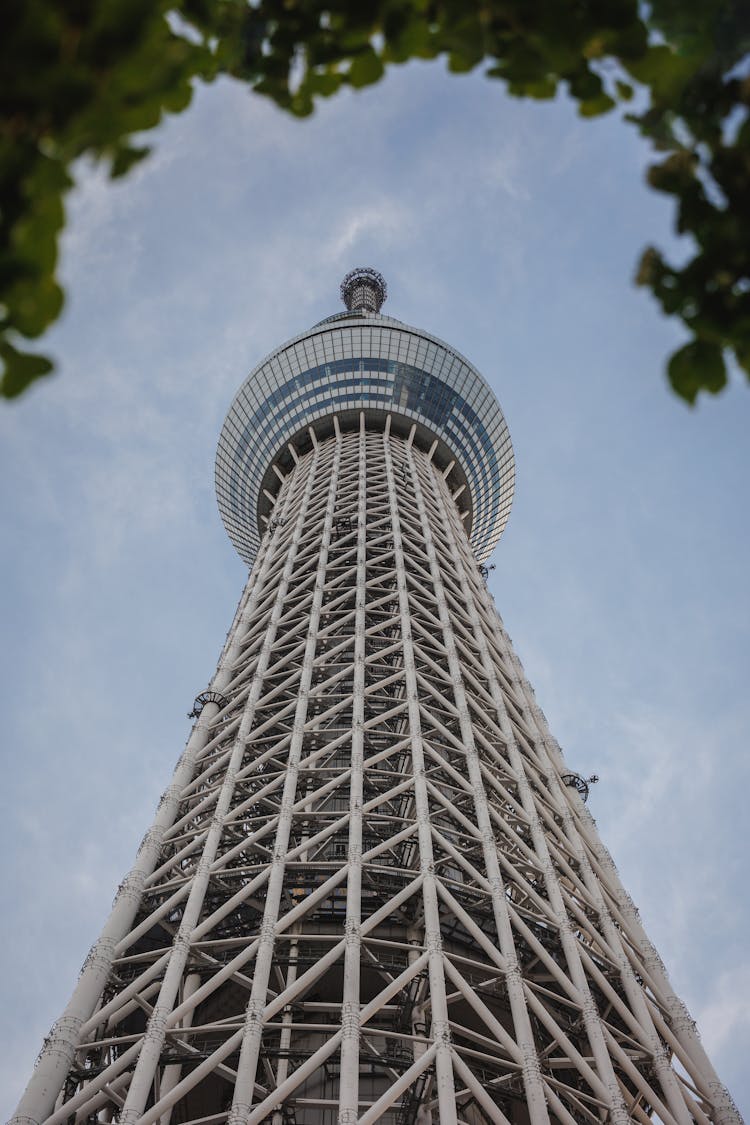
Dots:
pixel 662 70
pixel 675 174
pixel 698 366
pixel 125 157
pixel 594 107
pixel 35 305
pixel 742 355
pixel 650 267
pixel 324 84
pixel 20 369
pixel 407 37
pixel 462 62
pixel 365 69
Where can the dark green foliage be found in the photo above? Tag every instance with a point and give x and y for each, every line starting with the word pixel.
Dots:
pixel 85 76
pixel 78 77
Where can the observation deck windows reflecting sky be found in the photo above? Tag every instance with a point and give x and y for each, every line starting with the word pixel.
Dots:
pixel 382 365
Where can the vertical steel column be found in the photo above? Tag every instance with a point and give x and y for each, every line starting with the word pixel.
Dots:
pixel 440 1030
pixel 156 1028
pixel 585 830
pixel 153 1039
pixel 350 1007
pixel 665 1072
pixel 285 1039
pixel 668 1080
pixel 173 1073
pixel 59 1048
pixel 591 1017
pixel 532 1077
pixel 254 1018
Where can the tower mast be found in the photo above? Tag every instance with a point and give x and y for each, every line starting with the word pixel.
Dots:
pixel 373 890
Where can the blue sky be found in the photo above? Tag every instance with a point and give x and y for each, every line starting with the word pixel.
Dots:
pixel 511 230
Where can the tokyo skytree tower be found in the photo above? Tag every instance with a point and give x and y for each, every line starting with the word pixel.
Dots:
pixel 373 890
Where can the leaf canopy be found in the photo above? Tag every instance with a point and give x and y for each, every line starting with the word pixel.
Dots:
pixel 86 77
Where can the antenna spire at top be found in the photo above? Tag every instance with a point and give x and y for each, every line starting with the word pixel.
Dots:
pixel 364 290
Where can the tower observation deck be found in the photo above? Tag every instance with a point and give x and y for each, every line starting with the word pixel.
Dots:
pixel 362 362
pixel 373 891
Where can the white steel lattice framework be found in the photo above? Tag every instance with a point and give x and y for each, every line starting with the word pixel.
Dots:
pixel 371 892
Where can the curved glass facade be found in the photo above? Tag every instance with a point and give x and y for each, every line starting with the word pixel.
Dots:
pixel 354 362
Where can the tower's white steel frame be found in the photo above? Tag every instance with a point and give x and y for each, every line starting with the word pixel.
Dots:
pixel 371 892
